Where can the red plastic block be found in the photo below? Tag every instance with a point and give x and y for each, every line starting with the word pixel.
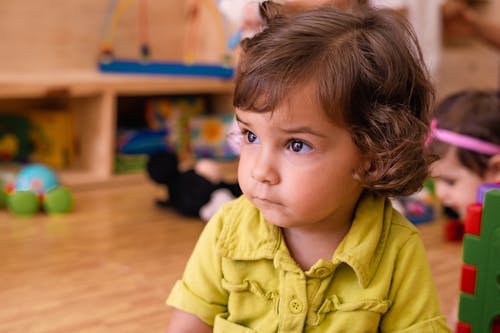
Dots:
pixel 473 219
pixel 454 230
pixel 468 284
pixel 463 328
pixel 496 325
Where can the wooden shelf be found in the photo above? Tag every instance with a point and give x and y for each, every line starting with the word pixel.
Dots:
pixel 81 179
pixel 93 97
pixel 78 84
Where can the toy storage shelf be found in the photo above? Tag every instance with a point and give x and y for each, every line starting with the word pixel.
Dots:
pixel 92 96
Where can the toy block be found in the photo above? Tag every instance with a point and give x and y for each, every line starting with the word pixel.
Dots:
pixel 463 328
pixel 468 284
pixel 454 230
pixel 479 309
pixel 473 219
pixel 485 188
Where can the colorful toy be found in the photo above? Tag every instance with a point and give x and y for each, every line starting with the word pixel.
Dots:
pixel 15 138
pixel 37 185
pixel 53 135
pixel 479 310
pixel 418 207
pixel 188 66
pixel 39 136
pixel 142 141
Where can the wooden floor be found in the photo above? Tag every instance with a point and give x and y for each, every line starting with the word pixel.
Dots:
pixel 106 267
pixel 109 265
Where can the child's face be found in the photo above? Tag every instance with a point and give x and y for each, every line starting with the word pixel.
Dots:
pixel 456 186
pixel 296 166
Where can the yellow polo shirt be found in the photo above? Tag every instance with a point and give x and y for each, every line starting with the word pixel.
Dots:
pixel 241 277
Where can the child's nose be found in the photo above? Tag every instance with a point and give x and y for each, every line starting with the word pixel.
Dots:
pixel 264 169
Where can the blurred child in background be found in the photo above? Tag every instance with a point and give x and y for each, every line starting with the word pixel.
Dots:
pixel 466 136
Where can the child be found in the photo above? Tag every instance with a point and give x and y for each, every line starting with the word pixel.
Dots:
pixel 333 109
pixel 466 136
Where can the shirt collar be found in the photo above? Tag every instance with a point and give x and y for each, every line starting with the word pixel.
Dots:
pixel 361 248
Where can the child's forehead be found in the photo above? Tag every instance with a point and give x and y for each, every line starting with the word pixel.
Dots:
pixel 293 112
pixel 300 104
pixel 301 94
pixel 448 163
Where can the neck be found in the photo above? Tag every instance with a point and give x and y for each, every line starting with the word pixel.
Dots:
pixel 307 246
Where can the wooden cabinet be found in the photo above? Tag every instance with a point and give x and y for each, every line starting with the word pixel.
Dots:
pixel 92 97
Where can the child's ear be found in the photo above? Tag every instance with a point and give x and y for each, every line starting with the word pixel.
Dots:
pixel 494 167
pixel 370 166
pixel 367 170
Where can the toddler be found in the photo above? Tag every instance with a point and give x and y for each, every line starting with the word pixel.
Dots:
pixel 333 110
pixel 466 136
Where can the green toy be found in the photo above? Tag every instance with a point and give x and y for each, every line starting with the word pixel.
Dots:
pixel 23 203
pixel 479 310
pixel 58 200
pixel 37 186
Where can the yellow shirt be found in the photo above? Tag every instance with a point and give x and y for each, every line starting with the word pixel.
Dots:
pixel 241 277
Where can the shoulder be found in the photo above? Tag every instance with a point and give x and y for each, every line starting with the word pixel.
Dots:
pixel 400 224
pixel 402 229
pixel 404 244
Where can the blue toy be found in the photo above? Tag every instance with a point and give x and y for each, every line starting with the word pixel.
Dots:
pixel 108 61
pixel 37 186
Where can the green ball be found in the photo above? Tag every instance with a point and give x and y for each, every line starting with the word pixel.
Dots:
pixel 58 200
pixel 23 203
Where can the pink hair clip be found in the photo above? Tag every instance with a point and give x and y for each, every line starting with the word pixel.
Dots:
pixel 462 141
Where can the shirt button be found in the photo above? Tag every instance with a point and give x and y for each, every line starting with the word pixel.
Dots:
pixel 295 306
pixel 322 272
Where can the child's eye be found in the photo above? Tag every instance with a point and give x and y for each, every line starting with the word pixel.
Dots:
pixel 250 137
pixel 298 146
pixel 446 180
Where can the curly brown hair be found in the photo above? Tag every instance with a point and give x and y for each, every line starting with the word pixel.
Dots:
pixel 370 78
pixel 474 113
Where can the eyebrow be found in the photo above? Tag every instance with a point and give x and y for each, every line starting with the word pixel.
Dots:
pixel 238 119
pixel 293 130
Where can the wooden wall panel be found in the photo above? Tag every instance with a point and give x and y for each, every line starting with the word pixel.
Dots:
pixel 40 36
